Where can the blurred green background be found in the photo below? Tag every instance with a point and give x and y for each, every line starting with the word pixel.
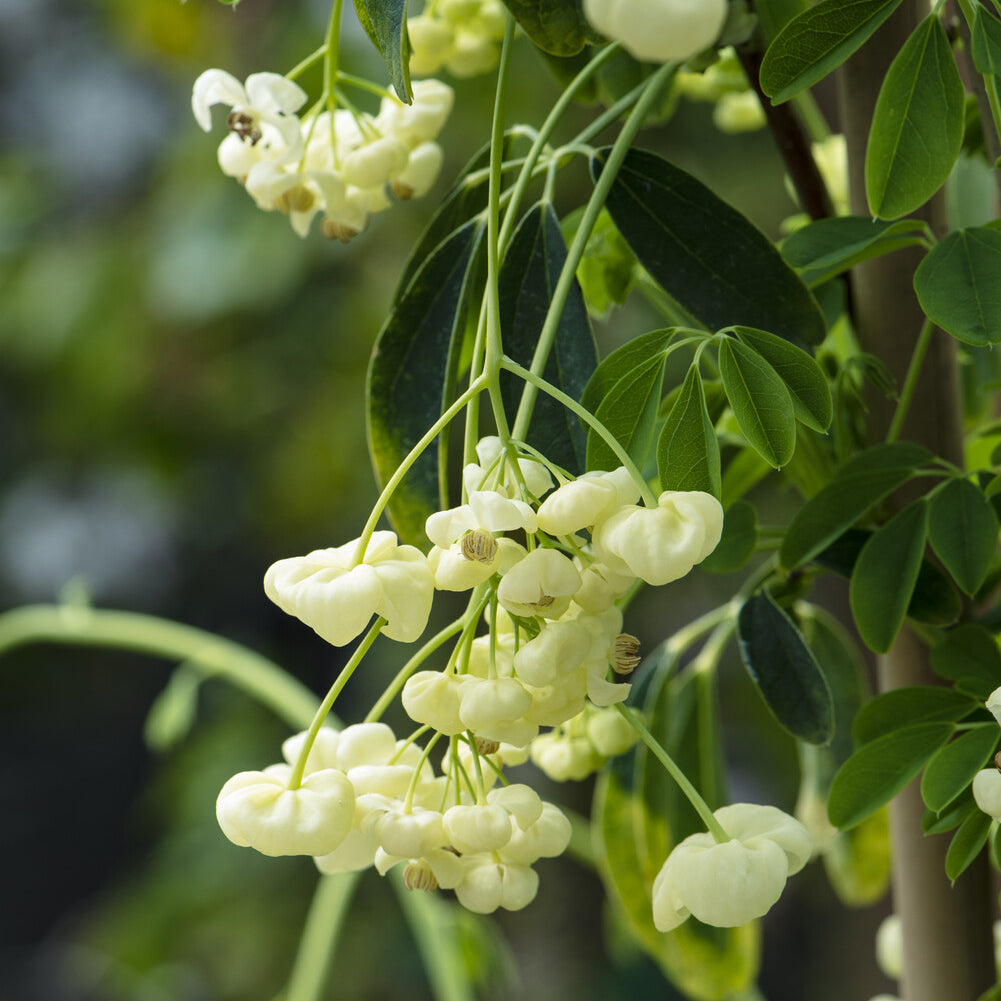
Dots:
pixel 181 404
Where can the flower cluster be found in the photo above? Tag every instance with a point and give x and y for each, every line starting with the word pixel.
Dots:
pixel 340 164
pixel 987 782
pixel 460 36
pixel 724 84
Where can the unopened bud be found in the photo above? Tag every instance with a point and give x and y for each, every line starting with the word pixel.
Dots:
pixel 334 230
pixel 245 126
pixel 418 876
pixel 479 546
pixel 625 653
pixel 485 746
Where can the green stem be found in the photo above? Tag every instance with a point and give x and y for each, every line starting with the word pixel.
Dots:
pixel 691 793
pixel 319 936
pixel 325 706
pixel 594 206
pixel 304 65
pixel 910 380
pixel 361 83
pixel 213 656
pixel 531 378
pixel 605 119
pixel 685 637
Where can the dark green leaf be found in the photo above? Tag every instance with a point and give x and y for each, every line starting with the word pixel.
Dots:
pixel 827 247
pixel 905 706
pixel 951 768
pixel 385 22
pixel 817 42
pixel 963 532
pixel 621 362
pixel 948 820
pixel 804 378
pixel 411 376
pixel 917 127
pixel 967 843
pixel 857 487
pixel 528 278
pixel 687 450
pixel 555 26
pixel 740 536
pixel 705 254
pixel 885 574
pixel 760 402
pixel 785 670
pixel 969 654
pixel 877 771
pixel 986 41
pixel 959 285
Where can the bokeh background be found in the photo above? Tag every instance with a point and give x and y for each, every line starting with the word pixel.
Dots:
pixel 181 404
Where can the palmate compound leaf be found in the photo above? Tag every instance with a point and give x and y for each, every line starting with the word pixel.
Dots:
pixel 917 126
pixel 785 670
pixel 969 657
pixel 621 361
pixel 950 769
pixel 528 277
pixel 818 41
pixel 707 256
pixel 688 450
pixel 912 704
pixel 385 23
pixel 963 532
pixel 411 378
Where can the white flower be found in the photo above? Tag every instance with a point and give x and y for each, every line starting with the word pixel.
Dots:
pixel 541 584
pixel 610 733
pixel 547 837
pixel 987 791
pixel 584 501
pixel 477 828
pixel 733 883
pixel 420 173
pixel 487 885
pixel 375 163
pixel 560 648
pixel 993 704
pixel 890 946
pixel 565 759
pixel 257 809
pixel 663 543
pixel 495 708
pixel 328 592
pixel 433 697
pixel 659 30
pixel 488 510
pixel 420 122
pixel 488 451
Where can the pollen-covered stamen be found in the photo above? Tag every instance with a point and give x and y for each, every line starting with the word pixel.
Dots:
pixel 334 230
pixel 485 746
pixel 625 652
pixel 245 126
pixel 418 876
pixel 544 601
pixel 478 546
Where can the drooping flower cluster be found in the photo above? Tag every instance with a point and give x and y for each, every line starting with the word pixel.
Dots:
pixel 461 36
pixel 340 164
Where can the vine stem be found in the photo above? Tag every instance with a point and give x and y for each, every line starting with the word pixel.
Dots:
pixel 594 206
pixel 910 380
pixel 684 783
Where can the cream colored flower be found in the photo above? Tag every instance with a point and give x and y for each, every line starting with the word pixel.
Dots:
pixel 659 30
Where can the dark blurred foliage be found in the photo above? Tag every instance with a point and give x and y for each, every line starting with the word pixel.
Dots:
pixel 181 403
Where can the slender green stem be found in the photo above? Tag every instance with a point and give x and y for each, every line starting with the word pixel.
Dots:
pixel 910 380
pixel 813 118
pixel 332 48
pixel 605 119
pixel 564 283
pixel 585 415
pixel 213 656
pixel 361 83
pixel 439 425
pixel 325 706
pixel 304 65
pixel 691 793
pixel 685 637
pixel 319 936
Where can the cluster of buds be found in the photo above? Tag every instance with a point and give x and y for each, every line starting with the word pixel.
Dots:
pixel 460 36
pixel 339 164
pixel 583 744
pixel 736 107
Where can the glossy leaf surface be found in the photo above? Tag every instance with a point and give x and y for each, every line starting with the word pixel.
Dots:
pixel 687 449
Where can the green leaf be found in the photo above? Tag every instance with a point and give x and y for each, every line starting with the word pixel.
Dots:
pixel 760 402
pixel 740 536
pixel 856 488
pixel 744 471
pixel 885 574
pixel 986 42
pixel 963 532
pixel 950 819
pixel 528 278
pixel 951 768
pixel 969 656
pixel 785 670
pixel 687 450
pixel 385 23
pixel 411 378
pixel 877 771
pixel 804 378
pixel 967 843
pixel 555 26
pixel 621 362
pixel 905 706
pixel 608 268
pixel 857 862
pixel 917 126
pixel 818 41
pixel 959 285
pixel 712 260
pixel 827 247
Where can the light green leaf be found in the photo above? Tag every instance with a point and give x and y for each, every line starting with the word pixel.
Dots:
pixel 804 378
pixel 969 655
pixel 173 711
pixel 687 450
pixel 967 843
pixel 760 402
pixel 877 771
pixel 621 362
pixel 963 532
pixel 385 22
pixel 857 862
pixel 827 247
pixel 608 268
pixel 708 257
pixel 785 670
pixel 743 471
pixel 913 704
pixel 959 285
pixel 858 486
pixel 885 574
pixel 817 42
pixel 986 41
pixel 950 769
pixel 740 536
pixel 917 126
